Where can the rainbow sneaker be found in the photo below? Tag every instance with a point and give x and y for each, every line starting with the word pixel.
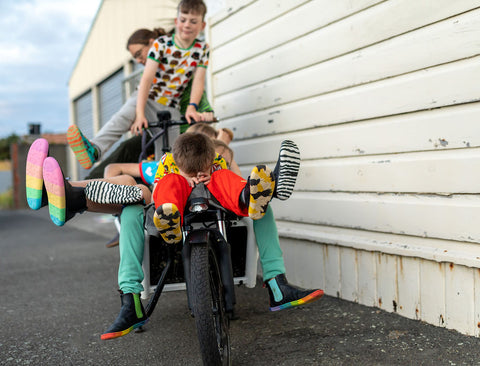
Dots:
pixel 284 296
pixel 85 152
pixel 35 189
pixel 131 316
pixel 55 187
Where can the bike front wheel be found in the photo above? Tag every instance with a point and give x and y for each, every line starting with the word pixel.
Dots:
pixel 208 302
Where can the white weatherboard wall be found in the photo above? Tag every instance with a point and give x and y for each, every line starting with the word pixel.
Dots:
pixel 383 99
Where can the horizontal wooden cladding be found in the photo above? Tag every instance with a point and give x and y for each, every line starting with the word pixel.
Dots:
pixel 440 129
pixel 438 250
pixel 440 86
pixel 442 172
pixel 445 217
pixel 246 18
pixel 275 31
pixel 442 294
pixel 452 39
pixel 348 26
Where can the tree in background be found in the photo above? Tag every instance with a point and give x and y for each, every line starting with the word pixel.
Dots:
pixel 5 146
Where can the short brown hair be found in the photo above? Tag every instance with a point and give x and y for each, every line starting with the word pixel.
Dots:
pixel 193 152
pixel 203 128
pixel 192 6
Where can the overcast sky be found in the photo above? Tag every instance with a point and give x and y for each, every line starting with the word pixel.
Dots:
pixel 40 41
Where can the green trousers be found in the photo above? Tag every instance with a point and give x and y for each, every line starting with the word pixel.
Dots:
pixel 132 239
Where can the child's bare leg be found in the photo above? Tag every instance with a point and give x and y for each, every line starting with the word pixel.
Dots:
pixel 113 170
pixel 126 180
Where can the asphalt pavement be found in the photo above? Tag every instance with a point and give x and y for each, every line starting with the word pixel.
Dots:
pixel 59 293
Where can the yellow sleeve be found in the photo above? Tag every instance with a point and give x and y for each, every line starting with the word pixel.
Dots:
pixel 167 166
pixel 219 163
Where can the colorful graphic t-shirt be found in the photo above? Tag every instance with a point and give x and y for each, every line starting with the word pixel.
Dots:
pixel 176 67
pixel 168 166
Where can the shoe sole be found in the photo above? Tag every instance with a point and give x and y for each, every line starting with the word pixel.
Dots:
pixel 109 193
pixel 55 186
pixel 78 146
pixel 123 332
pixel 289 165
pixel 37 153
pixel 262 184
pixel 314 296
pixel 167 221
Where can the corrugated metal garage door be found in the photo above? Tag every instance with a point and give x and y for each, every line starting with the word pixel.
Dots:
pixel 111 99
pixel 110 94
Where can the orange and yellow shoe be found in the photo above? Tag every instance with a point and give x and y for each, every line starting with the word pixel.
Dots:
pixel 84 150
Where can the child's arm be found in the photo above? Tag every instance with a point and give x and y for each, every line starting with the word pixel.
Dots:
pixel 196 94
pixel 146 81
pixel 113 170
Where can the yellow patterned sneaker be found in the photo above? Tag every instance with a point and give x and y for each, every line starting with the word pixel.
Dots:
pixel 167 221
pixel 262 185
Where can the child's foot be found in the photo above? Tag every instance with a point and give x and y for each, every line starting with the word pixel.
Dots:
pixel 167 221
pixel 286 170
pixel 35 189
pixel 54 184
pixel 284 296
pixel 262 184
pixel 83 149
pixel 132 316
pixel 105 192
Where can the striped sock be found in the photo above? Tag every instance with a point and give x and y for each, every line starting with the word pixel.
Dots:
pixel 109 193
pixel 286 170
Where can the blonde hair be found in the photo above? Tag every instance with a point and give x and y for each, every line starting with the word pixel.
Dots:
pixel 228 131
pixel 203 128
pixel 220 144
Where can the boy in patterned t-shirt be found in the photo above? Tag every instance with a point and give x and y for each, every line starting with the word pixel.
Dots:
pixel 174 60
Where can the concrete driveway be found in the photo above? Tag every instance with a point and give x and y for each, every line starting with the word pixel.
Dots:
pixel 58 293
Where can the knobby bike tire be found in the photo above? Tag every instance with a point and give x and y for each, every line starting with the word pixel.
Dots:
pixel 209 307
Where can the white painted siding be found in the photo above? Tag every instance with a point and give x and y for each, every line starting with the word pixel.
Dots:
pixel 383 99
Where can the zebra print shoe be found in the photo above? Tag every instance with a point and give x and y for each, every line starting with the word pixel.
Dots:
pixel 109 193
pixel 286 170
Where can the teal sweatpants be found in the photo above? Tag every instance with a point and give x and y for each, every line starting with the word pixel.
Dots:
pixel 271 256
pixel 132 244
pixel 132 239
